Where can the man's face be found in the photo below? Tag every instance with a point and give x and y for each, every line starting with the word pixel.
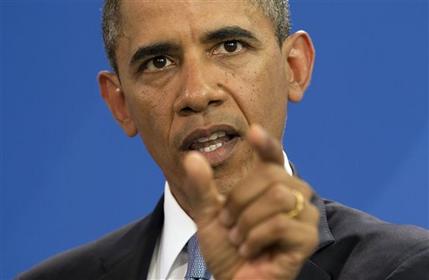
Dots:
pixel 191 71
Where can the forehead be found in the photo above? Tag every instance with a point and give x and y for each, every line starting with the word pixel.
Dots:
pixel 152 19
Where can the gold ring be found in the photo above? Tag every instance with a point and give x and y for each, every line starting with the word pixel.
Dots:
pixel 299 204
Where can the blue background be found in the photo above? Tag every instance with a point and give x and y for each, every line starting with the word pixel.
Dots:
pixel 69 174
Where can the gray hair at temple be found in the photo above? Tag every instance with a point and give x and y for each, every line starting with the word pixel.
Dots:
pixel 276 10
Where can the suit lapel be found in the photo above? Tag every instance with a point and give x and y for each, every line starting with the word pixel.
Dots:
pixel 134 264
pixel 311 271
pixel 135 259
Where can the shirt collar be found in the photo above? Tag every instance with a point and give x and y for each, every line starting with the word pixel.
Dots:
pixel 286 164
pixel 179 227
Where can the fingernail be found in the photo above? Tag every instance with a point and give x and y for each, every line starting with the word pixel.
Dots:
pixel 234 236
pixel 243 251
pixel 226 218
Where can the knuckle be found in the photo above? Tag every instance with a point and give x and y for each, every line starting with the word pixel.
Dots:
pixel 307 190
pixel 302 187
pixel 296 258
pixel 287 263
pixel 275 172
pixel 280 225
pixel 277 194
pixel 244 223
pixel 252 238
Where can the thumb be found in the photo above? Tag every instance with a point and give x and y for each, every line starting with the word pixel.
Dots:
pixel 200 188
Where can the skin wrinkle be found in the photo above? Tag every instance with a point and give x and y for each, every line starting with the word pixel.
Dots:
pixel 241 82
pixel 239 106
pixel 276 10
pixel 207 83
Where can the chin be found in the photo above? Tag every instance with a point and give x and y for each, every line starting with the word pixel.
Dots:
pixel 225 186
pixel 230 173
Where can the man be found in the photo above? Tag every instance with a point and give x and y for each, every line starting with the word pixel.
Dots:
pixel 206 84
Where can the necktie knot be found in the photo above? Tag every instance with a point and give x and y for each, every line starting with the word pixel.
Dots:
pixel 197 268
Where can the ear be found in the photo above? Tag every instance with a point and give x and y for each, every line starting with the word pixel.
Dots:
pixel 299 52
pixel 110 88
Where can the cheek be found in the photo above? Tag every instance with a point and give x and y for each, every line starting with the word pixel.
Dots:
pixel 265 98
pixel 152 117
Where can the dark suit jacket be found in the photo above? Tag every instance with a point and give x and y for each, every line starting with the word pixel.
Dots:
pixel 353 246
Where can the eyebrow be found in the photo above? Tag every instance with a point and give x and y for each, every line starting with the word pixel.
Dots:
pixel 162 48
pixel 226 33
pixel 153 50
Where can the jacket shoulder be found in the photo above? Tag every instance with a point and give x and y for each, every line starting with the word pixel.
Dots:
pixel 86 261
pixel 348 223
pixel 365 242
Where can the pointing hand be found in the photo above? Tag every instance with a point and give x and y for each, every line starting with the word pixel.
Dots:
pixel 265 228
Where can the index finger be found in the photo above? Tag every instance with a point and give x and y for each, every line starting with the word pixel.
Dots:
pixel 268 148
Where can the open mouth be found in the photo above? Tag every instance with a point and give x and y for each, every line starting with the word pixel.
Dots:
pixel 211 143
pixel 216 143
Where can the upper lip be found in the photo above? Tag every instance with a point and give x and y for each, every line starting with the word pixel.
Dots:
pixel 206 132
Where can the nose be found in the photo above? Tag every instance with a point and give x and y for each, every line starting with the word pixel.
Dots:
pixel 199 90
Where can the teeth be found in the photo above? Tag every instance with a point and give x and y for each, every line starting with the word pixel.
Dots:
pixel 217 135
pixel 203 139
pixel 212 137
pixel 211 148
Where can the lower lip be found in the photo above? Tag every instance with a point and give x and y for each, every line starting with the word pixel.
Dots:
pixel 222 154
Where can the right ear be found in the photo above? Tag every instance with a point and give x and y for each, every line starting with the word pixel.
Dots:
pixel 110 88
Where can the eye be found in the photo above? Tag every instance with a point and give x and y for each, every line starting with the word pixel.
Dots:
pixel 228 47
pixel 157 63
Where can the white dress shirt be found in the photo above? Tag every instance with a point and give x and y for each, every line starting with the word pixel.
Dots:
pixel 169 259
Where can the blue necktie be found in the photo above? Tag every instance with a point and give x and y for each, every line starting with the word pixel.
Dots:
pixel 197 268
